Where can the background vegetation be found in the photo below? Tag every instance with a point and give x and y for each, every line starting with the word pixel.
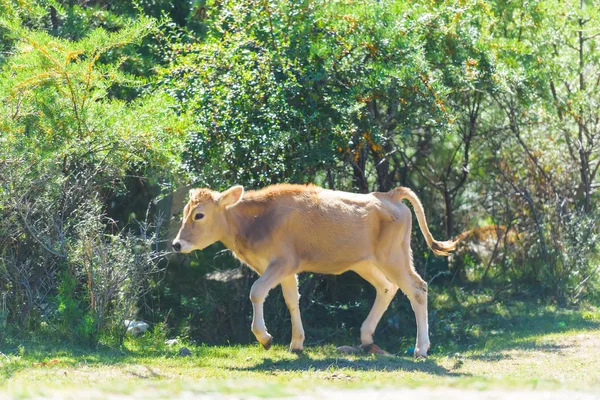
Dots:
pixel 489 110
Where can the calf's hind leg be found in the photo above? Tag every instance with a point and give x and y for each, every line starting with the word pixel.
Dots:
pixel 386 291
pixel 400 270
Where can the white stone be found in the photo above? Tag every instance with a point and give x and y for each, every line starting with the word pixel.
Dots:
pixel 135 328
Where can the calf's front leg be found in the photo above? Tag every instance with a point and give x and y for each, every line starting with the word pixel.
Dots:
pixel 275 273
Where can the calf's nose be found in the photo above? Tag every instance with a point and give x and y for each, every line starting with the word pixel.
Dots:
pixel 177 246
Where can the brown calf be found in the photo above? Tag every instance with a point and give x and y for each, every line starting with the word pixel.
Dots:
pixel 283 230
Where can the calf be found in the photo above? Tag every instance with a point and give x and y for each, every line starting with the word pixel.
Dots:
pixel 283 230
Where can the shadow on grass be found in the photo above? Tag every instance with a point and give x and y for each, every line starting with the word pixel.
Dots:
pixel 487 330
pixel 305 362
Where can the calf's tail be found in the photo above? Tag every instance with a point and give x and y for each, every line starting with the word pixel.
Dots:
pixel 439 248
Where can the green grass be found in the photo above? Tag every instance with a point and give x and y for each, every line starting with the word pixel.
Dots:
pixel 496 345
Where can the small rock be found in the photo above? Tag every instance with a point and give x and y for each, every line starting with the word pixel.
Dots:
pixel 374 349
pixel 134 328
pixel 184 352
pixel 171 342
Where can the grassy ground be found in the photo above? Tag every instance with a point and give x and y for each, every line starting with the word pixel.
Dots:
pixel 521 347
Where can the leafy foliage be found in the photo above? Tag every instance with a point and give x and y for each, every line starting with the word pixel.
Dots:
pixel 68 146
pixel 488 110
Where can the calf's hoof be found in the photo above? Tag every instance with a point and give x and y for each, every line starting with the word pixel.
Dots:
pixel 269 343
pixel 296 351
pixel 421 352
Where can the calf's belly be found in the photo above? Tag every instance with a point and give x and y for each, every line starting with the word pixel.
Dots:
pixel 335 265
pixel 325 268
pixel 333 253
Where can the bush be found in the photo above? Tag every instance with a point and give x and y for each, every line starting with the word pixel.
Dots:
pixel 68 147
pixel 487 111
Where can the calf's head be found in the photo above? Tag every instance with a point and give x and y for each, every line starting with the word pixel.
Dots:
pixel 204 221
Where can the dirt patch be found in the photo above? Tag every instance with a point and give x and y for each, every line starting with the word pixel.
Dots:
pixel 582 341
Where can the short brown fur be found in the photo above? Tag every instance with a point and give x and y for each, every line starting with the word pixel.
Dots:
pixel 283 230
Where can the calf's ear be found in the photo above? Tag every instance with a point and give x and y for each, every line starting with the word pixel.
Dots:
pixel 231 196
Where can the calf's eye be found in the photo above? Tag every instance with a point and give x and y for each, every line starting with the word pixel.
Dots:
pixel 198 216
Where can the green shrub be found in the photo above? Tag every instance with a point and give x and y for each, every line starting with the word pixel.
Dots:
pixel 67 145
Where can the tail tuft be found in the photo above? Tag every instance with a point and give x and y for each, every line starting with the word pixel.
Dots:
pixel 443 248
pixel 439 248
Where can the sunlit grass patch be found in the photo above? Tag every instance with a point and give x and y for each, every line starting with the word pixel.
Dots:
pixel 516 345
